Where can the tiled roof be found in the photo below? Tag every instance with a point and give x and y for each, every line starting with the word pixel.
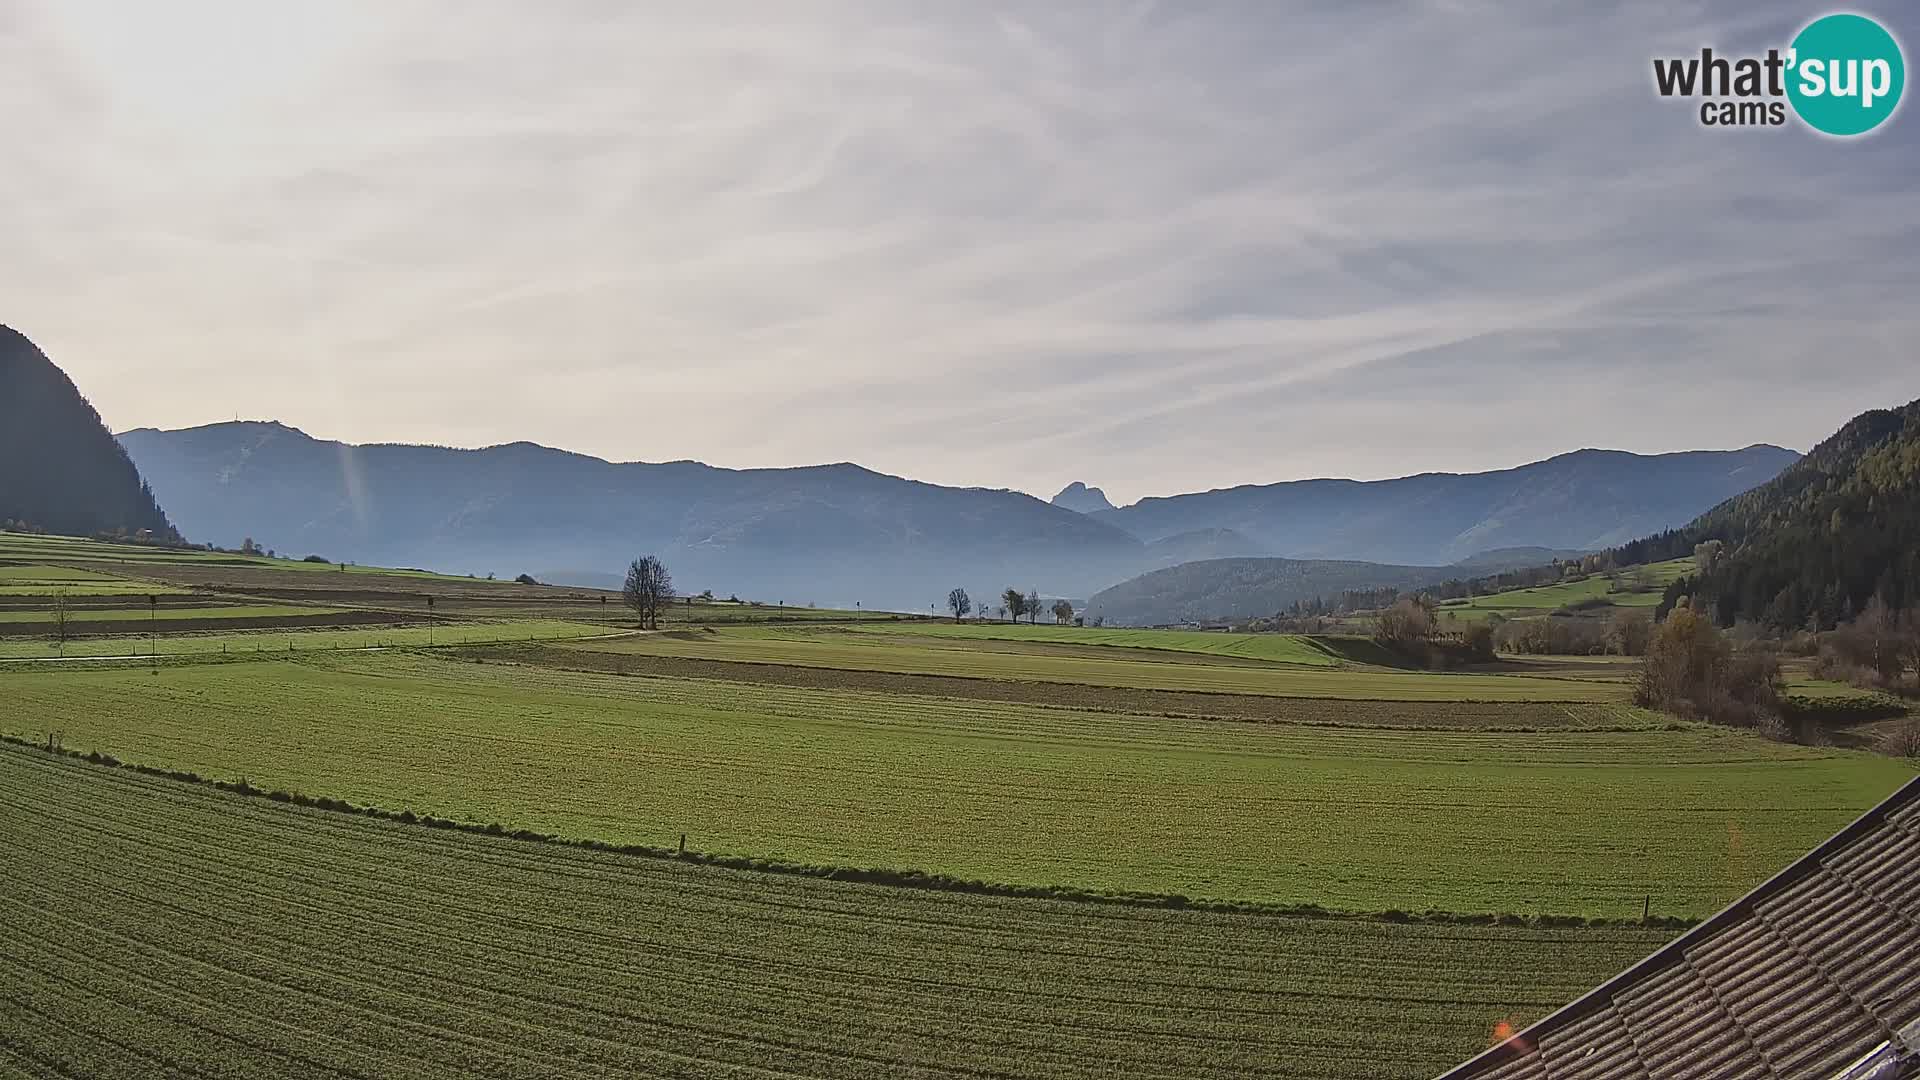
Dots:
pixel 1800 979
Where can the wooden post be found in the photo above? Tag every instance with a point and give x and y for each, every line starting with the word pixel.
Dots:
pixel 683 843
pixel 1646 909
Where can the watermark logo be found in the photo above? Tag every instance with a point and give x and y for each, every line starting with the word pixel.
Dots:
pixel 1842 75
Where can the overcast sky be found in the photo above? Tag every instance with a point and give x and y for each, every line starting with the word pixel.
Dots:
pixel 1155 248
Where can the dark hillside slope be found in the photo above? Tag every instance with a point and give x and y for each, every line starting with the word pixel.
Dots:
pixel 1814 544
pixel 60 469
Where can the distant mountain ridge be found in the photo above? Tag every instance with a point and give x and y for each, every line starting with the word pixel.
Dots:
pixel 826 533
pixel 1079 497
pixel 1583 500
pixel 843 534
pixel 60 469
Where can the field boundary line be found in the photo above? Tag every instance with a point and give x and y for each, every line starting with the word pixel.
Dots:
pixel 271 654
pixel 1667 725
pixel 1116 686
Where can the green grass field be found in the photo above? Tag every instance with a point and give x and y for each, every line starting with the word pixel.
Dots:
pixel 48 581
pixel 304 640
pixel 1541 600
pixel 982 657
pixel 155 928
pixel 1283 648
pixel 168 614
pixel 1577 822
pixel 63 549
pixel 158 927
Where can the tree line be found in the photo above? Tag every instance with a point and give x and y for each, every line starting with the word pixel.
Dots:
pixel 1013 605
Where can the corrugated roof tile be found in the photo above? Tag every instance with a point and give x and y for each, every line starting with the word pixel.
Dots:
pixel 1681 1029
pixel 1596 1047
pixel 1869 950
pixel 1793 1013
pixel 1886 864
pixel 1795 981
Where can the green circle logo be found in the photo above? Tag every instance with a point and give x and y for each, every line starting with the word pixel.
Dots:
pixel 1845 74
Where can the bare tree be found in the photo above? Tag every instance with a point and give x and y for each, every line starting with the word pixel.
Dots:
pixel 1033 605
pixel 1062 612
pixel 1016 604
pixel 1404 622
pixel 1628 632
pixel 959 603
pixel 60 620
pixel 1706 554
pixel 647 590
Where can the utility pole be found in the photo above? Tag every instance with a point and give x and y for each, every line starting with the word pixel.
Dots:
pixel 153 624
pixel 429 620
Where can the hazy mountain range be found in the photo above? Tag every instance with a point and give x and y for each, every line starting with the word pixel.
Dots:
pixel 832 534
pixel 841 533
pixel 1587 499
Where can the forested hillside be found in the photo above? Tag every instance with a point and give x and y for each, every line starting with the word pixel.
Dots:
pixel 61 470
pixel 1812 546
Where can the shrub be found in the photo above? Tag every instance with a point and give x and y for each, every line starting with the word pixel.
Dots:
pixel 1691 670
pixel 1590 603
pixel 1875 650
pixel 317 559
pixel 526 579
pixel 1478 639
pixel 1902 740
pixel 1775 727
pixel 1628 632
pixel 1552 636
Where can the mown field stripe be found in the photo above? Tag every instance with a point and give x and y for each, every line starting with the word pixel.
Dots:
pixel 1574 822
pixel 499 987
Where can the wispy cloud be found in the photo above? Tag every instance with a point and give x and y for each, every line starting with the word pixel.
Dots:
pixel 1153 247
